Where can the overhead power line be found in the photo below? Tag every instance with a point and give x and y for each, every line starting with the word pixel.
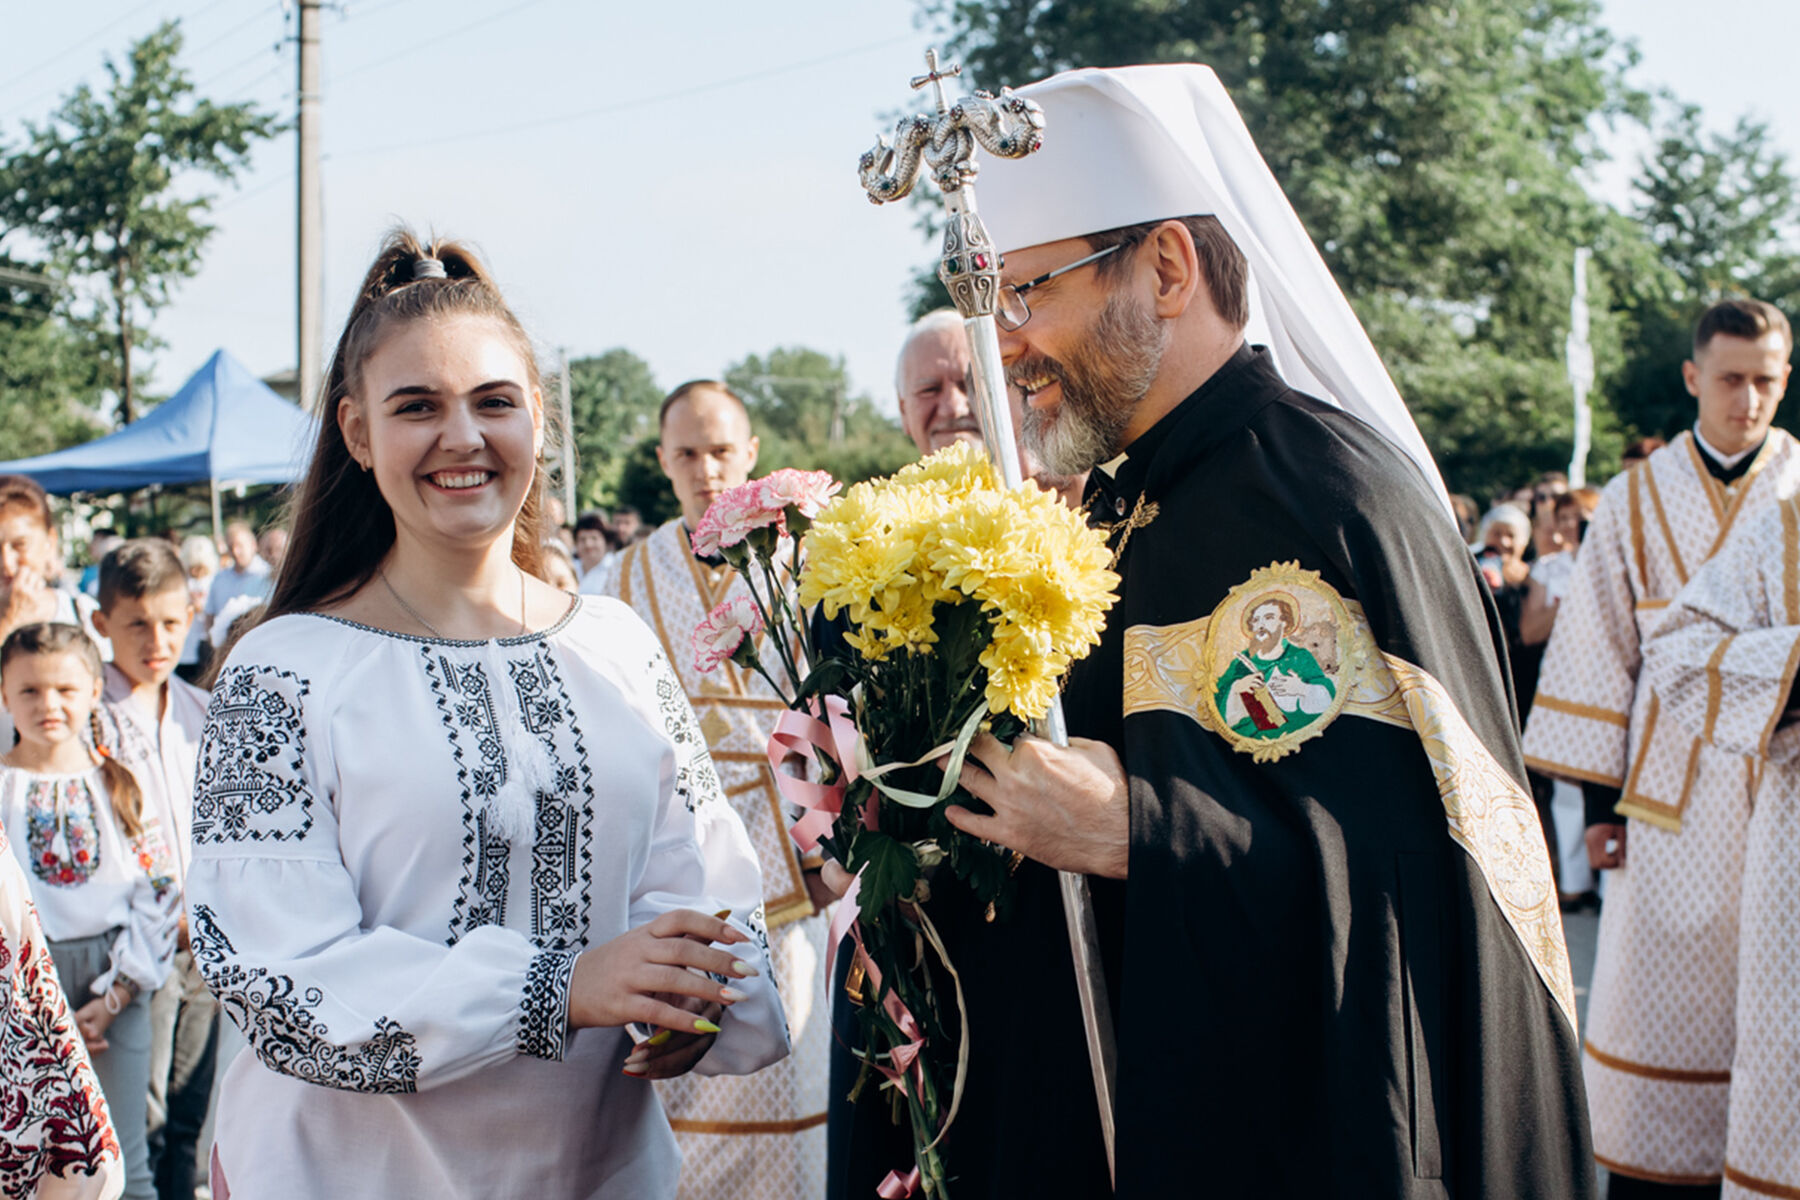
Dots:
pixel 617 106
pixel 63 55
pixel 110 29
pixel 626 105
pixel 414 47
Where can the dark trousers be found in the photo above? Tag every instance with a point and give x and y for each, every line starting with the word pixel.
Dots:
pixel 187 1017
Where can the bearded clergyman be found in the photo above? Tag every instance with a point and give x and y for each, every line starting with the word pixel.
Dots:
pixel 1333 944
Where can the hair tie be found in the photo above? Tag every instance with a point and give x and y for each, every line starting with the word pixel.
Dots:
pixel 103 751
pixel 428 268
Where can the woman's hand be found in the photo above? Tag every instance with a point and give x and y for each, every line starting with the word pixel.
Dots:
pixel 667 1054
pixel 644 974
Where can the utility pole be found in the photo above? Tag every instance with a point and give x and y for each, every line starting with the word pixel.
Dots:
pixel 311 219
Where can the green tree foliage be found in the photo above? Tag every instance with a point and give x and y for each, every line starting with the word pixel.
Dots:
pixel 644 487
pixel 1722 214
pixel 613 398
pixel 805 416
pixel 101 187
pixel 49 386
pixel 1432 150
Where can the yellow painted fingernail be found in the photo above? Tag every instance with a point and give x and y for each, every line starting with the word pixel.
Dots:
pixel 742 969
pixel 702 1025
pixel 659 1038
pixel 722 914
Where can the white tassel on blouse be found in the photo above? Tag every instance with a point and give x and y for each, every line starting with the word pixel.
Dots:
pixel 526 762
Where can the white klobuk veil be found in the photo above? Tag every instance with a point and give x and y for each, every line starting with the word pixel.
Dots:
pixel 1137 144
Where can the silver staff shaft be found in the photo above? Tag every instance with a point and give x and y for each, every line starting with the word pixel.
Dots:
pixel 1078 904
pixel 1008 126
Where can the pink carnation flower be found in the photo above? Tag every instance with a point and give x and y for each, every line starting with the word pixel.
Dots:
pixel 718 636
pixel 808 491
pixel 729 519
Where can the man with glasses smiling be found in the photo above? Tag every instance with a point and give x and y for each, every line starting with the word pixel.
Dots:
pixel 1334 947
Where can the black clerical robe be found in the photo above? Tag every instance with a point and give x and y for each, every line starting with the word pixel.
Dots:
pixel 1337 966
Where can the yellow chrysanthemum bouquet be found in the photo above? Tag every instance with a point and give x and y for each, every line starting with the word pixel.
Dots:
pixel 929 604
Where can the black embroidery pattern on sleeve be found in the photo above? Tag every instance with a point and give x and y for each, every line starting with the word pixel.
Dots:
pixel 278 1020
pixel 696 780
pixel 561 856
pixel 249 785
pixel 544 1011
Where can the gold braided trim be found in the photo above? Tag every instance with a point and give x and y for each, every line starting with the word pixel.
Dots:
pixel 743 1128
pixel 785 910
pixel 1746 483
pixel 1662 519
pixel 1645 1173
pixel 1575 708
pixel 1715 491
pixel 1663 1074
pixel 1634 492
pixel 1790 560
pixel 1715 686
pixel 1549 766
pixel 1762 1187
pixel 1787 680
pixel 1635 803
pixel 1490 814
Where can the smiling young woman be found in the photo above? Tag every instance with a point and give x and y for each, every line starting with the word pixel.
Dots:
pixel 454 829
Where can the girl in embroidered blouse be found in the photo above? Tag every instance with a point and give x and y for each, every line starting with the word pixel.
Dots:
pixel 458 844
pixel 101 876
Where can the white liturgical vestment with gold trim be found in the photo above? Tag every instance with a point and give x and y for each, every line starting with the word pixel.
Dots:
pixel 1723 663
pixel 1659 1038
pixel 762 1135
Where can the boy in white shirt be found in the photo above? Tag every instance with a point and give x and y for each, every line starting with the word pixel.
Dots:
pixel 154 720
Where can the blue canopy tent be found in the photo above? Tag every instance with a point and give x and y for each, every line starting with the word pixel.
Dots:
pixel 225 427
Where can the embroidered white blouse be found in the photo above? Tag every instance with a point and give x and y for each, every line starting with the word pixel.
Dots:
pixel 162 751
pixel 399 967
pixel 87 877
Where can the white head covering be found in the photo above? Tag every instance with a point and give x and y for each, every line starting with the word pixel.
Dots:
pixel 1136 144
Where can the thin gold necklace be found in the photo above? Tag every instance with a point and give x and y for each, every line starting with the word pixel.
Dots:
pixel 415 614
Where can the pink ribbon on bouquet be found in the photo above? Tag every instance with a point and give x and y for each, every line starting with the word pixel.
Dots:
pixel 903 1069
pixel 828 729
pixel 798 733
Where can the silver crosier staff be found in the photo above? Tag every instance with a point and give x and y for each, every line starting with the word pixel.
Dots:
pixel 1011 127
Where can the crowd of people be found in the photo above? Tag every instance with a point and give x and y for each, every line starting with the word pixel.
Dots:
pixel 419 796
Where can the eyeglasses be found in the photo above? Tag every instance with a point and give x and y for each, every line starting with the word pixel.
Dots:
pixel 1014 312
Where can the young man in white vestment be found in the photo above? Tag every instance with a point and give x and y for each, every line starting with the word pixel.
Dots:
pixel 1666 811
pixel 458 843
pixel 761 1135
pixel 1723 665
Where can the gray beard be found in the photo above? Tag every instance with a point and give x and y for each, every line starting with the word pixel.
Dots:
pixel 1103 382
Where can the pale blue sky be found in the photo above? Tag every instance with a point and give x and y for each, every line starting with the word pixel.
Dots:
pixel 676 178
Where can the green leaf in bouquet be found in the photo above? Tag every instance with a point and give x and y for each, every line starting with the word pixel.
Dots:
pixel 890 870
pixel 964 631
pixel 984 868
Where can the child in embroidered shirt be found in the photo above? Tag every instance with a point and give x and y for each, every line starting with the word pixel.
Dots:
pixel 101 872
pixel 153 722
